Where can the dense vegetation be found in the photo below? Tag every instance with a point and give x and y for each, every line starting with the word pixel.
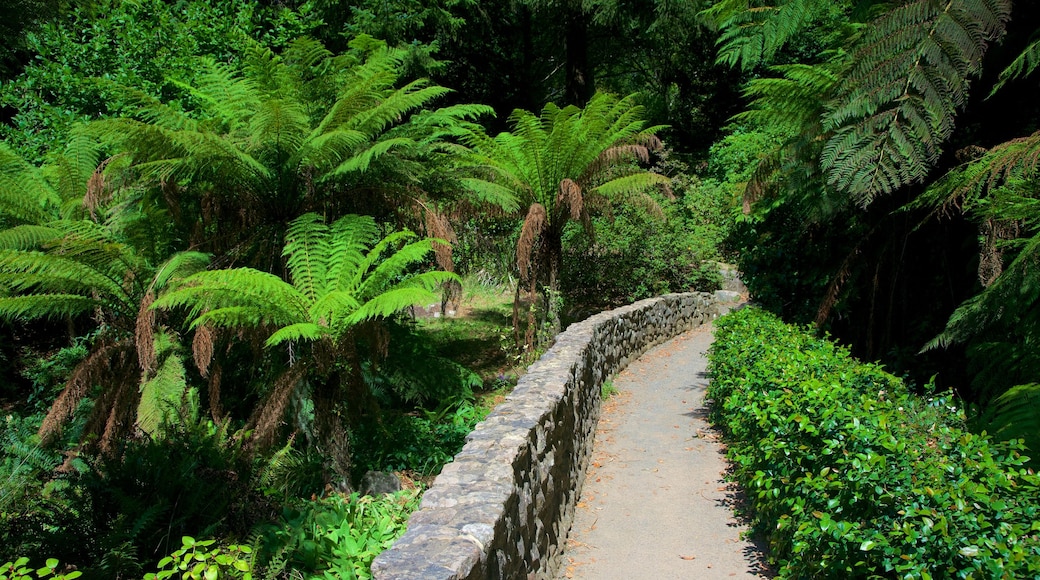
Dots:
pixel 847 473
pixel 216 220
pixel 217 217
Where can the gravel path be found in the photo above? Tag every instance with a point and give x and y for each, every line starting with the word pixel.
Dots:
pixel 655 503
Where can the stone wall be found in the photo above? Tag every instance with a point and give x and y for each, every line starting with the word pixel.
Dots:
pixel 504 506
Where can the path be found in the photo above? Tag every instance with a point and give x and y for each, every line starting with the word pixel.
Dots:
pixel 655 503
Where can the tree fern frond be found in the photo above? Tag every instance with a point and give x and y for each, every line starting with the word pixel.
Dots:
pixel 1016 415
pixel 352 237
pixel 361 161
pixel 52 306
pixel 964 186
pixel 249 297
pixel 416 290
pixel 896 105
pixel 180 265
pixel 491 193
pixel 752 35
pixel 24 192
pixel 1023 65
pixel 163 392
pixel 28 237
pixel 378 269
pixel 637 183
pixel 301 331
pixel 792 102
pixel 308 252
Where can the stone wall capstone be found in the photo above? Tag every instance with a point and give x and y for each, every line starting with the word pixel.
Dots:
pixel 503 508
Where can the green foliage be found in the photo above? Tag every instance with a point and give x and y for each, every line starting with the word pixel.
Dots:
pixel 195 560
pixel 80 54
pixel 20 570
pixel 336 536
pixel 895 106
pixel 848 474
pixel 752 36
pixel 557 167
pixel 1023 66
pixel 287 134
pixel 420 444
pixel 641 251
pixel 341 276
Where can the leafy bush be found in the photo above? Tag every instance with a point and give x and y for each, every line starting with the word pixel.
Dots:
pixel 19 570
pixel 409 442
pixel 849 474
pixel 337 536
pixel 637 252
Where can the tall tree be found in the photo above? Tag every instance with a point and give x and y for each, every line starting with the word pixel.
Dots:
pixel 558 166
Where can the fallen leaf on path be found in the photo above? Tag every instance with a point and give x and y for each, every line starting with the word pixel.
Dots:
pixel 687 557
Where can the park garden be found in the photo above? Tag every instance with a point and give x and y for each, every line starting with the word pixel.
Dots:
pixel 252 251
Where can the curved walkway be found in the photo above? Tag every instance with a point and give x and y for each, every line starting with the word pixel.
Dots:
pixel 655 503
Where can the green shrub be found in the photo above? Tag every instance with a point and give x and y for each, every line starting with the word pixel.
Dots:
pixel 195 560
pixel 849 474
pixel 20 570
pixel 638 252
pixel 337 536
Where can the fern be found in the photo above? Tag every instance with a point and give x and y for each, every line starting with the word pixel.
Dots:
pixel 1023 65
pixel 162 393
pixel 752 34
pixel 1016 415
pixel 896 105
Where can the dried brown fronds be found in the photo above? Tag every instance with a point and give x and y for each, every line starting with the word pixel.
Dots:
pixel 97 192
pixel 534 224
pixel 216 410
pixel 120 421
pixel 144 334
pixel 202 345
pixel 438 226
pixel 269 415
pixel 83 377
pixel 570 197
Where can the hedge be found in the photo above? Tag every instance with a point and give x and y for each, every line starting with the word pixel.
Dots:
pixel 848 474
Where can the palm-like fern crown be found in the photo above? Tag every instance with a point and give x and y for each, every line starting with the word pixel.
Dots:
pixel 284 133
pixel 341 275
pixel 597 149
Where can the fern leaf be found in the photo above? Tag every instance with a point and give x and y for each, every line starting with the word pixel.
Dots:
pixel 417 289
pixel 52 305
pixel 1016 415
pixel 1023 65
pixel 307 250
pixel 163 393
pixel 896 105
pixel 361 161
pixel 302 331
pixel 752 35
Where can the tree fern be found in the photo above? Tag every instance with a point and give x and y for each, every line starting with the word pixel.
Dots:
pixel 551 162
pixel 341 276
pixel 896 105
pixel 283 134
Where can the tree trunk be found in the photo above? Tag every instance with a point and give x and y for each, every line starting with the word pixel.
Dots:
pixel 580 82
